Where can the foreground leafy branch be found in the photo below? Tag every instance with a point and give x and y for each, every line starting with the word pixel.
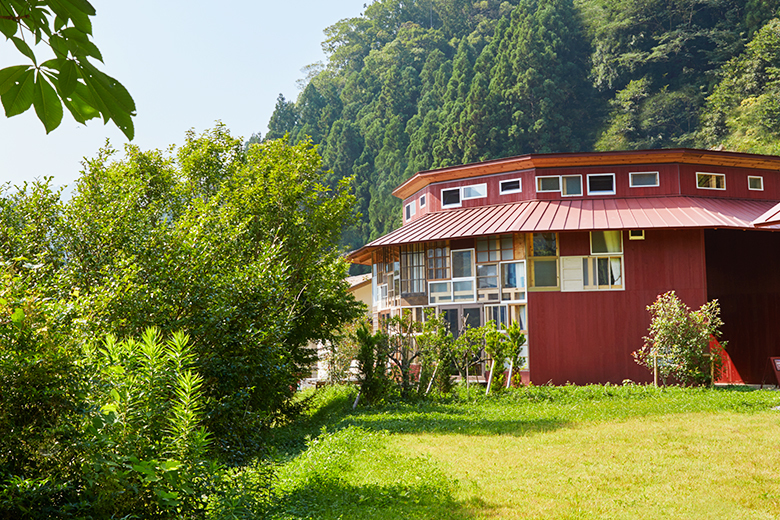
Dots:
pixel 70 78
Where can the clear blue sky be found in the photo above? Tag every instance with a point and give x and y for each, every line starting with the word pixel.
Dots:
pixel 186 64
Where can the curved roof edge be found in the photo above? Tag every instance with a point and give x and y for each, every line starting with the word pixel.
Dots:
pixel 565 160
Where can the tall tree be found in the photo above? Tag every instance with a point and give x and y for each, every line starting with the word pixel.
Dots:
pixel 743 112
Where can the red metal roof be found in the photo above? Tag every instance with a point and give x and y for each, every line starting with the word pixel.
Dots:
pixel 588 214
pixel 770 218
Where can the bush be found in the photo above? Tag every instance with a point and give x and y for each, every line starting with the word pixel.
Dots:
pixel 679 341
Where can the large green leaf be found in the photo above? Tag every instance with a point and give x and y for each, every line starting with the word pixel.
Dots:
pixel 9 75
pixel 80 104
pixel 78 43
pixel 75 10
pixel 47 104
pixel 19 96
pixel 8 27
pixel 68 76
pixel 111 98
pixel 25 49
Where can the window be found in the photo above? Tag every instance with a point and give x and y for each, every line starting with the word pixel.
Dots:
pixel 636 234
pixel 548 184
pixel 463 291
pixel 601 184
pixel 606 242
pixel 710 181
pixel 513 281
pixel 453 197
pixel 450 198
pixel 438 261
pixel 381 296
pixel 422 201
pixel 505 315
pixel 454 291
pixel 412 269
pixel 544 260
pixel 462 287
pixel 756 183
pixel 568 185
pixel 572 185
pixel 601 271
pixel 591 273
pixel 463 263
pixel 495 248
pixel 487 282
pixel 512 186
pixel 414 314
pixel 409 211
pixel 387 272
pixel 642 179
pixel 477 191
pixel 439 292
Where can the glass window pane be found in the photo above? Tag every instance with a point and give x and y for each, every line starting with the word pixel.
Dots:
pixel 471 317
pixel 601 184
pixel 545 273
pixel 644 179
pixel 439 292
pixel 475 192
pixel 602 242
pixel 572 185
pixel 548 184
pixel 450 197
pixel 462 264
pixel 463 291
pixel 544 244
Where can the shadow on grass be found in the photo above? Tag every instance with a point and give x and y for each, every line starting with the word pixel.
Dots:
pixel 332 498
pixel 443 419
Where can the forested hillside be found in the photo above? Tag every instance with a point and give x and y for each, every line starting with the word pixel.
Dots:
pixel 420 84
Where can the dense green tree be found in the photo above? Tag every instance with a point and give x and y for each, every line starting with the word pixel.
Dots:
pixel 283 119
pixel 743 112
pixel 539 80
pixel 236 249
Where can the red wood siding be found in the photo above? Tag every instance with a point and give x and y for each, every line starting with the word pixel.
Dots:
pixel 736 182
pixel 588 337
pixel 743 274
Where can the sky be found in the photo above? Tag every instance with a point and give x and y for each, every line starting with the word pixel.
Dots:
pixel 187 64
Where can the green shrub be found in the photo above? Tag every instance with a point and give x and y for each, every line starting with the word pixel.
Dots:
pixel 678 342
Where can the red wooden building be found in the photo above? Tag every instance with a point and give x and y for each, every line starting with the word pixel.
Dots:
pixel 575 246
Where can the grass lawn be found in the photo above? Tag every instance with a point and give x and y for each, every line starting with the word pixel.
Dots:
pixel 542 452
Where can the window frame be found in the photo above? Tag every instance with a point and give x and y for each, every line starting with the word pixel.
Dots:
pixel 422 201
pixel 631 180
pixel 463 191
pixel 613 191
pixel 455 205
pixel 563 184
pixel 502 191
pixel 591 260
pixel 538 183
pixel 531 265
pixel 606 253
pixel 713 175
pixel 410 210
pixel 524 277
pixel 761 180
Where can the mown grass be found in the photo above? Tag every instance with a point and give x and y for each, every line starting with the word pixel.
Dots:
pixel 542 452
